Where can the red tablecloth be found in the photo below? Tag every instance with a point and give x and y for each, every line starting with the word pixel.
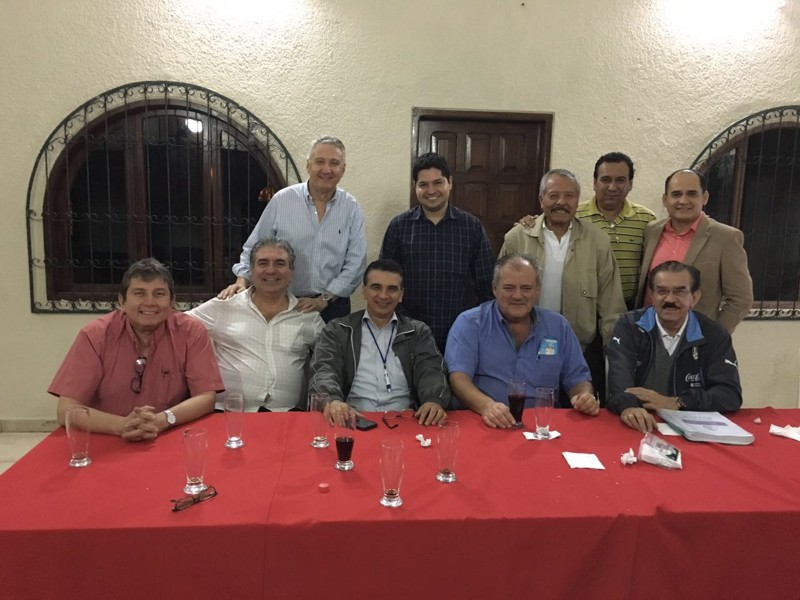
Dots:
pixel 518 523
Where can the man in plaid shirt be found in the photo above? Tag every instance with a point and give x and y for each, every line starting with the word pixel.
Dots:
pixel 444 251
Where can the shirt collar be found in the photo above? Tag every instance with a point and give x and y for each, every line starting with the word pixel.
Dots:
pixel 546 228
pixel 665 334
pixel 693 227
pixel 310 200
pixel 418 212
pixel 626 212
pixel 368 318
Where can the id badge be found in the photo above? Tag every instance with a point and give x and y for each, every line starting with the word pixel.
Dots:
pixel 548 347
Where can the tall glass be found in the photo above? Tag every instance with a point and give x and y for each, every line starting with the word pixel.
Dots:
pixel 391 472
pixel 543 399
pixel 195 445
pixel 234 420
pixel 77 420
pixel 344 442
pixel 316 405
pixel 447 447
pixel 516 400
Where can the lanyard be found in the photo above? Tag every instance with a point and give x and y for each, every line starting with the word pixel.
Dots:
pixel 384 358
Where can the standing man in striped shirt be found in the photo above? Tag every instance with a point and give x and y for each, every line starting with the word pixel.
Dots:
pixel 444 251
pixel 325 226
pixel 623 220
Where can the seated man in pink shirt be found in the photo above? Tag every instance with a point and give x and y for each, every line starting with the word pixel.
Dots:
pixel 143 368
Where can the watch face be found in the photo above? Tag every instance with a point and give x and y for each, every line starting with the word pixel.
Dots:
pixel 170 417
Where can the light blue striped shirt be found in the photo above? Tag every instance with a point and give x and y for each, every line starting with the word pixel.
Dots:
pixel 331 255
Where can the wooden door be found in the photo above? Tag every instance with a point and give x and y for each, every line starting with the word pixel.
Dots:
pixel 497 160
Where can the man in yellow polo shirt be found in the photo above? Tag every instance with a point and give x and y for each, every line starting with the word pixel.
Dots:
pixel 623 220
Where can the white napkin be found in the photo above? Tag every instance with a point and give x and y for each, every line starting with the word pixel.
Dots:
pixel 793 433
pixel 579 460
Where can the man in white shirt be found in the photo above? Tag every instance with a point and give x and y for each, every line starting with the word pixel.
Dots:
pixel 376 360
pixel 262 343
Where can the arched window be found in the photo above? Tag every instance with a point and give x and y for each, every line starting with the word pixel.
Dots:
pixel 159 169
pixel 753 170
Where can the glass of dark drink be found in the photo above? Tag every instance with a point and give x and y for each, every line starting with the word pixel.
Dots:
pixel 344 442
pixel 516 400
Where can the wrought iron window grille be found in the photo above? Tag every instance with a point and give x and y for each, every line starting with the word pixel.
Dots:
pixel 153 168
pixel 753 170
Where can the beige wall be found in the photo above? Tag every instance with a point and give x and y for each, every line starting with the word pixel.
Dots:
pixel 643 77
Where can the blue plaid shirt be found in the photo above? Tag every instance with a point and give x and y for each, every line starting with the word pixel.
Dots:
pixel 447 267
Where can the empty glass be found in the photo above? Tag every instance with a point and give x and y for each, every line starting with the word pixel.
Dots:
pixel 447 447
pixel 234 420
pixel 77 419
pixel 543 399
pixel 316 405
pixel 391 472
pixel 195 445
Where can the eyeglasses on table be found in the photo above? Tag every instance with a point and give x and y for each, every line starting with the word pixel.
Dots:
pixel 391 417
pixel 189 501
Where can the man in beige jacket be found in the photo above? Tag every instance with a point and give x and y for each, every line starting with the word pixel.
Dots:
pixel 580 277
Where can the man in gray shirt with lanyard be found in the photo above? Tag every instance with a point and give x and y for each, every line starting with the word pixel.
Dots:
pixel 375 360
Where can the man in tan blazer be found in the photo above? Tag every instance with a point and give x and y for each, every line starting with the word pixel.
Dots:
pixel 691 237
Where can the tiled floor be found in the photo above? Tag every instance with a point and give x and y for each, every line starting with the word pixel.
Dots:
pixel 14 446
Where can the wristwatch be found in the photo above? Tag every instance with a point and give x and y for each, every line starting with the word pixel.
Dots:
pixel 327 296
pixel 681 404
pixel 171 420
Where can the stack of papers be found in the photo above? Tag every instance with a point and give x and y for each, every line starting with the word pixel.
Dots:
pixel 706 427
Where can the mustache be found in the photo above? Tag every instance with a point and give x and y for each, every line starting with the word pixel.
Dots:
pixel 669 305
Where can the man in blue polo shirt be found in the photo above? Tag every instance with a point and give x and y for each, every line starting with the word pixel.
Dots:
pixel 511 338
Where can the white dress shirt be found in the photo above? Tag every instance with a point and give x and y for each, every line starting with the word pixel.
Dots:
pixel 262 360
pixel 555 253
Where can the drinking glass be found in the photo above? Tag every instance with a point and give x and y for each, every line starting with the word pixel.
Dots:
pixel 516 400
pixel 234 420
pixel 317 404
pixel 77 423
pixel 543 399
pixel 344 442
pixel 447 446
pixel 391 472
pixel 195 444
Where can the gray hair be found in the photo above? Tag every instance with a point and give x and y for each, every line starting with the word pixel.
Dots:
pixel 517 262
pixel 566 174
pixel 272 242
pixel 331 141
